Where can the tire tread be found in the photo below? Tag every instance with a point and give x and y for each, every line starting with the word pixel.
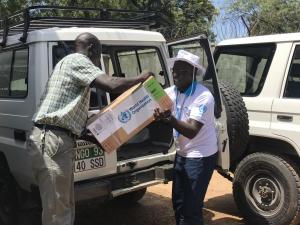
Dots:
pixel 290 165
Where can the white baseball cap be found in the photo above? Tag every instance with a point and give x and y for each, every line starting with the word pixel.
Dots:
pixel 188 57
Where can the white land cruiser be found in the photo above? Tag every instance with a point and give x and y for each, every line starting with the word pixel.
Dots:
pixel 266 71
pixel 34 40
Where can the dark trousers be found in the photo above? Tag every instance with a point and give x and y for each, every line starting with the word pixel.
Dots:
pixel 190 182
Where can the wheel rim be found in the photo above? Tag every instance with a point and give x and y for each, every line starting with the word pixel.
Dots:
pixel 6 203
pixel 265 193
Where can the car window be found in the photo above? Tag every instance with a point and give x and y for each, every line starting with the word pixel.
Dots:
pixel 245 67
pixel 150 61
pixel 5 68
pixel 14 73
pixel 97 97
pixel 129 64
pixel 18 85
pixel 109 69
pixel 62 49
pixel 292 89
pixel 133 62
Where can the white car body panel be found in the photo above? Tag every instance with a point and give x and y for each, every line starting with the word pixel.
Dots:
pixel 264 108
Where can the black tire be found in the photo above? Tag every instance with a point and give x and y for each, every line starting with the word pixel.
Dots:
pixel 237 119
pixel 8 200
pixel 266 189
pixel 132 197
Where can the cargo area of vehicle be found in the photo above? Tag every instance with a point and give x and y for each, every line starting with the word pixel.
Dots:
pixel 155 138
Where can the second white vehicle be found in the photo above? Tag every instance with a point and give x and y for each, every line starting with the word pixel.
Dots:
pixel 266 71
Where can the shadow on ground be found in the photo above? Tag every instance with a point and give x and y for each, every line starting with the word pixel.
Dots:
pixel 153 209
pixel 223 204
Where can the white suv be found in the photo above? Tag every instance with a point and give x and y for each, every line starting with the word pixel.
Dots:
pixel 30 49
pixel 266 71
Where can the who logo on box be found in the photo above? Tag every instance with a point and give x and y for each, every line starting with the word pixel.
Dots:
pixel 124 117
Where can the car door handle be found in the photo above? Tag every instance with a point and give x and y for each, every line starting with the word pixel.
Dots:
pixel 285 118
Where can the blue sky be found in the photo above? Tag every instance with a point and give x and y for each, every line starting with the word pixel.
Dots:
pixel 218 4
pixel 229 28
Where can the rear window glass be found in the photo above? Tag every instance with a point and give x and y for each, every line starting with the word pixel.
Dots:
pixel 133 62
pixel 245 67
pixel 14 73
pixel 292 88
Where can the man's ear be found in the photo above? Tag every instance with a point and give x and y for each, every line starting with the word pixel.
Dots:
pixel 90 50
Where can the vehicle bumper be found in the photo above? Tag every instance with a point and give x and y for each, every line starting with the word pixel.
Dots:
pixel 111 187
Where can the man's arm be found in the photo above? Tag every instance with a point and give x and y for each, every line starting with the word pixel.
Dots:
pixel 118 84
pixel 188 129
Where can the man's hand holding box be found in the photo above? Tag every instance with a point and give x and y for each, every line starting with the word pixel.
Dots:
pixel 128 114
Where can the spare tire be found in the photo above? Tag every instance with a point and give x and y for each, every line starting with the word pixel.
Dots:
pixel 237 119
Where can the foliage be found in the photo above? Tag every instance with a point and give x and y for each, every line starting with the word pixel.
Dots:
pixel 184 16
pixel 192 16
pixel 267 16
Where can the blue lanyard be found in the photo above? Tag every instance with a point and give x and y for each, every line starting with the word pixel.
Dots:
pixel 178 111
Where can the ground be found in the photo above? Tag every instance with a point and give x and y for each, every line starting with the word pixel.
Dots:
pixel 156 209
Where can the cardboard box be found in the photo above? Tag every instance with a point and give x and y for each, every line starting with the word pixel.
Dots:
pixel 128 114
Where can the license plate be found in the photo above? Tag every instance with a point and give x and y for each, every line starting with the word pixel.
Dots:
pixel 88 157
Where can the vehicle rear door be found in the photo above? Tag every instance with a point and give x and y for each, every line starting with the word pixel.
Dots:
pixel 200 46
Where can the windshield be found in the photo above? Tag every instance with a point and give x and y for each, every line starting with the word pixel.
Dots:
pixel 245 67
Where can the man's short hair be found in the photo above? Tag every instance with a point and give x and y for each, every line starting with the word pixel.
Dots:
pixel 90 39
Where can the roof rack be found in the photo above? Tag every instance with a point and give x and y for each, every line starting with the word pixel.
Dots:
pixel 42 17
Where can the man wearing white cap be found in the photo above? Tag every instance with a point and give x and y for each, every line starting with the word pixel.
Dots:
pixel 193 122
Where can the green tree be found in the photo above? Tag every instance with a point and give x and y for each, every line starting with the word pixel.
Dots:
pixel 267 16
pixel 190 16
pixel 180 16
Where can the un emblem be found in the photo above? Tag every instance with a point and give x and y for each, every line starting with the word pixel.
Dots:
pixel 124 117
pixel 202 108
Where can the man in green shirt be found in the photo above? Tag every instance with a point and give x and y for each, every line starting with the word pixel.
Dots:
pixel 61 117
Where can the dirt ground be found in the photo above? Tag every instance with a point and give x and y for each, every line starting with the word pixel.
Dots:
pixel 156 209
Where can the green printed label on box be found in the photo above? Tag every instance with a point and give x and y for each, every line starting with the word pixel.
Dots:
pixel 154 88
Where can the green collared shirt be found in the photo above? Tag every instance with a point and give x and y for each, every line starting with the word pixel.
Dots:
pixel 65 102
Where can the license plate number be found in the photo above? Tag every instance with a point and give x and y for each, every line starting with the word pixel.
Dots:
pixel 88 159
